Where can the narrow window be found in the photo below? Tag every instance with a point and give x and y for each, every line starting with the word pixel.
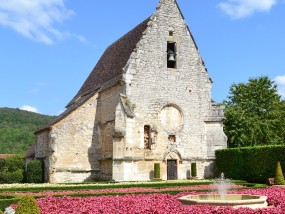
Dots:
pixel 171 54
pixel 170 37
pixel 147 138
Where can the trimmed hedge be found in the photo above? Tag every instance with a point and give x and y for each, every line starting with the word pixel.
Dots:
pixel 253 164
pixel 105 185
pixel 193 170
pixel 34 172
pixel 156 170
pixel 7 200
pixel 279 177
pixel 28 205
pixel 12 169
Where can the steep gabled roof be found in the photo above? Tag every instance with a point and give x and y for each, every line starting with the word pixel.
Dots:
pixel 30 153
pixel 112 62
pixel 108 69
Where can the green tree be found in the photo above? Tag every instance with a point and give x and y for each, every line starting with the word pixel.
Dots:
pixel 254 114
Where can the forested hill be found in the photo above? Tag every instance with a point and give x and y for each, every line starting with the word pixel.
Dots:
pixel 17 129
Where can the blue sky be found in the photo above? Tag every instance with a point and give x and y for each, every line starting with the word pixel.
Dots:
pixel 49 47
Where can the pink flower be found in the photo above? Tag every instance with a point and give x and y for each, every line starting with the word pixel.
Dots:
pixel 155 203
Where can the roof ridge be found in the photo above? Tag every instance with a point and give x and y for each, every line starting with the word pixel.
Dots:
pixel 113 60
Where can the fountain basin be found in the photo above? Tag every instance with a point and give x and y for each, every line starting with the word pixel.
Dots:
pixel 234 200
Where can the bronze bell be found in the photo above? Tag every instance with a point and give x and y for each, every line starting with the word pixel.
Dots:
pixel 171 56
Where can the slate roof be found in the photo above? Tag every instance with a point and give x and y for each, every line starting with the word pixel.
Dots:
pixel 31 151
pixel 107 71
pixel 113 61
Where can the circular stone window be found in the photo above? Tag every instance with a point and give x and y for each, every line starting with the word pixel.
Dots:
pixel 171 118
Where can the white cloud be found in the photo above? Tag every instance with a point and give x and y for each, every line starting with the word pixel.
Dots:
pixel 34 91
pixel 280 81
pixel 29 108
pixel 36 19
pixel 244 8
pixel 42 84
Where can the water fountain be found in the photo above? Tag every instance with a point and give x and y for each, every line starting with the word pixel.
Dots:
pixel 224 199
pixel 222 185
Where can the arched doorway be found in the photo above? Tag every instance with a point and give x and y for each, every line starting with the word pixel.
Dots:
pixel 172 158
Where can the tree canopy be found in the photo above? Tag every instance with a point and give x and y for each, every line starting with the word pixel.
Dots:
pixel 254 114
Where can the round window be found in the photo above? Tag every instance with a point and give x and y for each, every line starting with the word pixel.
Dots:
pixel 171 118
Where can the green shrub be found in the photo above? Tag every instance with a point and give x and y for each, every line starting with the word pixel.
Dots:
pixel 253 164
pixel 156 170
pixel 2 164
pixel 7 200
pixel 279 177
pixel 193 170
pixel 1 212
pixel 27 205
pixel 12 177
pixel 12 169
pixel 230 162
pixel 34 172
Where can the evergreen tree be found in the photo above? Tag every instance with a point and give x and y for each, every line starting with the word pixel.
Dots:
pixel 27 205
pixel 279 177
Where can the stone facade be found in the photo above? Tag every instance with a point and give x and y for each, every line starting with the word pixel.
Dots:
pixel 157 109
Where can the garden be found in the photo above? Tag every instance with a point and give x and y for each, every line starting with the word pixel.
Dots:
pixel 134 197
pixel 243 165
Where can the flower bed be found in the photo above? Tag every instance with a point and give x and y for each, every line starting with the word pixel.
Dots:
pixel 125 190
pixel 155 203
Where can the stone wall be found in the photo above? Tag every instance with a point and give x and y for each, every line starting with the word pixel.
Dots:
pixel 72 159
pixel 174 102
pixel 43 151
pixel 82 143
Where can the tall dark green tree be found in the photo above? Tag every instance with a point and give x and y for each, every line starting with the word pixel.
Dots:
pixel 254 114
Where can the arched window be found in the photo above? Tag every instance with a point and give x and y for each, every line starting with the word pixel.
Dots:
pixel 171 51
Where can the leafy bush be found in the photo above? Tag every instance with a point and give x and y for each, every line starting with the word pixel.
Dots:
pixel 156 170
pixel 254 164
pixel 1 212
pixel 2 164
pixel 12 169
pixel 11 177
pixel 27 205
pixel 34 172
pixel 193 170
pixel 279 177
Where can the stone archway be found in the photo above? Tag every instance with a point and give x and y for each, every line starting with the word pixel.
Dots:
pixel 172 159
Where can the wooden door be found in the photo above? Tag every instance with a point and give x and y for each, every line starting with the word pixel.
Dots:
pixel 171 169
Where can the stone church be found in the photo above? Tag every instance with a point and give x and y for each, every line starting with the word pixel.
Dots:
pixel 147 100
